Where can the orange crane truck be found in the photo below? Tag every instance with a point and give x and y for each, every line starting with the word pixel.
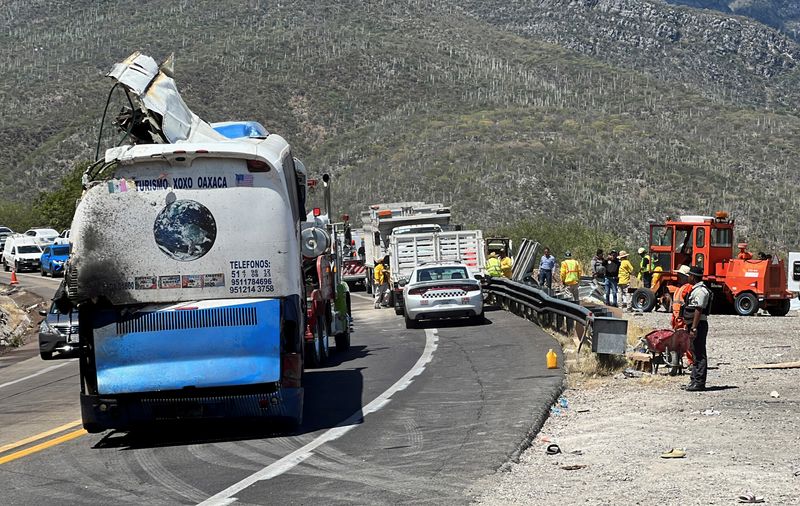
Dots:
pixel 740 283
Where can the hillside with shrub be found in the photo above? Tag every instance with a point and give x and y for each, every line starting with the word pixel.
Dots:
pixel 438 101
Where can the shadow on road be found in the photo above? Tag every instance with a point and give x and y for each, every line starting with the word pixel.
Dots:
pixel 330 397
pixel 451 323
pixel 716 388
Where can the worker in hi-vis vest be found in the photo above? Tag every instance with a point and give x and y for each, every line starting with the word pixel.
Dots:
pixel 571 273
pixel 493 267
pixel 645 268
pixel 506 264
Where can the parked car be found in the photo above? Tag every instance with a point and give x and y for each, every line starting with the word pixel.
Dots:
pixel 442 290
pixel 5 233
pixel 63 237
pixel 53 259
pixel 42 236
pixel 58 334
pixel 22 253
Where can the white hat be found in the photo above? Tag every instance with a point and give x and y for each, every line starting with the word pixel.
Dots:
pixel 641 250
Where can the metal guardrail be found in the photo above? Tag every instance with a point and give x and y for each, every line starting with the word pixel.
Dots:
pixel 607 335
pixel 532 303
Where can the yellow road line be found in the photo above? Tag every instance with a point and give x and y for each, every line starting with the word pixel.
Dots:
pixel 21 442
pixel 43 446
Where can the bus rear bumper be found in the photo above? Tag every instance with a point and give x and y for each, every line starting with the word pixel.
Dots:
pixel 124 412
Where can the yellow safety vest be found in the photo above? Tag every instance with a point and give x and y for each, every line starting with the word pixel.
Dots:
pixel 570 271
pixel 493 267
pixel 643 267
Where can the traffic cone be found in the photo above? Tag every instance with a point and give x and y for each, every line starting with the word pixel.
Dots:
pixel 14 280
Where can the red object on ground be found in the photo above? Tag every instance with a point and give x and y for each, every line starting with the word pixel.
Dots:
pixel 674 340
pixel 14 280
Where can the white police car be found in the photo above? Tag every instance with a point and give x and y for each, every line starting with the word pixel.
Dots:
pixel 442 290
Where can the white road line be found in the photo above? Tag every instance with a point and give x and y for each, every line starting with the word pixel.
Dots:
pixel 296 457
pixel 43 371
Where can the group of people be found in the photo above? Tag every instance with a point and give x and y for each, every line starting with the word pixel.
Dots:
pixel 499 264
pixel 614 271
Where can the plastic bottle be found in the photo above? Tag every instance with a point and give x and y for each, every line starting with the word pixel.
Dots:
pixel 552 359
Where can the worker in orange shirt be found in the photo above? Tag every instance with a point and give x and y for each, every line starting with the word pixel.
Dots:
pixel 678 300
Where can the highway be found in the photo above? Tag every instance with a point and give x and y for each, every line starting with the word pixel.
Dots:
pixel 404 416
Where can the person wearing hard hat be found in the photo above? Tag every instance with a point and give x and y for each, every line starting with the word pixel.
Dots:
pixel 645 268
pixel 506 264
pixel 571 273
pixel 625 272
pixel 493 266
pixel 678 300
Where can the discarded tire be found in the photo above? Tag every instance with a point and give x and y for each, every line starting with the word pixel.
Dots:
pixel 643 300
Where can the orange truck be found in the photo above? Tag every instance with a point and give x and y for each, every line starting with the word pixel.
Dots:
pixel 741 284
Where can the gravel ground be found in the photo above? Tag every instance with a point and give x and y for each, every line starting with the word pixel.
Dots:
pixel 737 437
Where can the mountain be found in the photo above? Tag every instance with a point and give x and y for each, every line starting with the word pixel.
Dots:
pixel 605 112
pixel 781 14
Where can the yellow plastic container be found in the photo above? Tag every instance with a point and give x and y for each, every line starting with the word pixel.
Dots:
pixel 552 359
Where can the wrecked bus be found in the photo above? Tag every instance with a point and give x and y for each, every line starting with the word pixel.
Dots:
pixel 187 274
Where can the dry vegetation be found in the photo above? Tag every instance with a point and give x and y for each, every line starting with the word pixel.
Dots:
pixel 416 100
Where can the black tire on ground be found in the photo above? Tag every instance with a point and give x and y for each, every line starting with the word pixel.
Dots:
pixel 313 360
pixel 643 299
pixel 410 324
pixel 93 428
pixel 746 304
pixel 343 341
pixel 781 309
pixel 46 355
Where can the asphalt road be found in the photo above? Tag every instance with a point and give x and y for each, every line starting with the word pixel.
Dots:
pixel 404 416
pixel 33 282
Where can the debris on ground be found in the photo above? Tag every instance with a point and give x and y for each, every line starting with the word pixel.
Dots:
pixel 736 438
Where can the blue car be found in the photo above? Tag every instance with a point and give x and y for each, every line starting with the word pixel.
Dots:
pixel 54 258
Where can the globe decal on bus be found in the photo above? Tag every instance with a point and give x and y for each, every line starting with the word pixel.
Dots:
pixel 185 230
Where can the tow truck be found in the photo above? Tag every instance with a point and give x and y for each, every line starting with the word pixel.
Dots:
pixel 740 283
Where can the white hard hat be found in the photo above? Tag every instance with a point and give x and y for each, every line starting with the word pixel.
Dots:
pixel 641 250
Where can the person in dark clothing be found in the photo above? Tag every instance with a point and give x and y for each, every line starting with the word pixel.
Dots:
pixel 611 266
pixel 598 260
pixel 696 310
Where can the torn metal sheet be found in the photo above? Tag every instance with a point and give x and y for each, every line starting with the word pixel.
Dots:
pixel 160 100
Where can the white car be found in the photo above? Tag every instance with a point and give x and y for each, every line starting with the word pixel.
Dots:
pixel 63 237
pixel 442 290
pixel 42 236
pixel 22 253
